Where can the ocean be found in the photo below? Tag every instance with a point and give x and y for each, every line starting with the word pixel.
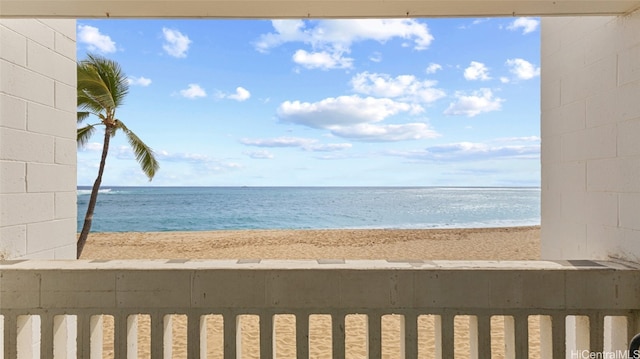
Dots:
pixel 145 209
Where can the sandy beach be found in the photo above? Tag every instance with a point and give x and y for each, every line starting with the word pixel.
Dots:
pixel 513 243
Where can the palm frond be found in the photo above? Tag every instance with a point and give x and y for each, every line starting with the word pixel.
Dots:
pixel 102 85
pixel 83 115
pixel 83 134
pixel 93 94
pixel 112 76
pixel 144 154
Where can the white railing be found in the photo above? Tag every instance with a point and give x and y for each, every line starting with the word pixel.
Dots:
pixel 58 309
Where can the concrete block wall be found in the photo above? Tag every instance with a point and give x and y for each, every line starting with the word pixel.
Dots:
pixel 591 137
pixel 37 138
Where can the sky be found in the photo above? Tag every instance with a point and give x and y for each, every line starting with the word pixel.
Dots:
pixel 394 102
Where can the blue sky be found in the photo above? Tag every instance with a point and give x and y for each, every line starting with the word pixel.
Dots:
pixel 396 102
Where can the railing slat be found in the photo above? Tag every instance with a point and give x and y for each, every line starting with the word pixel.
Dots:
pixel 267 337
pixel 516 337
pixel 120 335
pixel 90 332
pixel 157 335
pixel 2 336
pixel 559 329
pixel 302 336
pixel 633 325
pixel 203 336
pixel 132 336
pixel 437 336
pixel 338 334
pixel 193 335
pixel 509 337
pixel 374 331
pixel 521 336
pixel 10 334
pixel 616 333
pixel 167 336
pixel 480 336
pixel 473 337
pixel 27 327
pixel 46 336
pixel 546 336
pixel 445 336
pixel 230 335
pixel 65 335
pixel 596 332
pixel 409 335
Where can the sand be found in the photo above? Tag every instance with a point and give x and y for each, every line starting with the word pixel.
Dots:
pixel 513 243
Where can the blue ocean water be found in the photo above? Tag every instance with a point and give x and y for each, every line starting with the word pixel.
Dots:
pixel 141 209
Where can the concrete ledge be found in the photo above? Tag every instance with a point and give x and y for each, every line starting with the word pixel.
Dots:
pixel 306 285
pixel 320 264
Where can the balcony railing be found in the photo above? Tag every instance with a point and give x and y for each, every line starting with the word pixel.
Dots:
pixel 56 309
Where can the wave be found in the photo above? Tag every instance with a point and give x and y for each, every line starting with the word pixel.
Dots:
pixel 86 192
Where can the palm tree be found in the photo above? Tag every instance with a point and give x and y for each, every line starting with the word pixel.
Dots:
pixel 102 87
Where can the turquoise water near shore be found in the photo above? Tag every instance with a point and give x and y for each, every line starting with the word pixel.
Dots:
pixel 144 209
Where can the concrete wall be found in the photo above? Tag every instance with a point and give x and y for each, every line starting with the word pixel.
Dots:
pixel 37 138
pixel 591 137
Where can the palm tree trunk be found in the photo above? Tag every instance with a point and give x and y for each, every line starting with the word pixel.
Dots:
pixel 88 218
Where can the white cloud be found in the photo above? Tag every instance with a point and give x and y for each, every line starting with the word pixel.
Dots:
pixel 241 94
pixel 523 69
pixel 278 142
pixel 519 139
pixel 322 60
pixel 341 111
pixel 260 155
pixel 476 71
pixel 330 147
pixel 285 31
pixel 193 91
pixel 404 87
pixel 95 40
pixel 182 157
pixel 342 33
pixel 306 144
pixel 176 44
pixel 473 23
pixel 527 25
pixel 386 133
pixel 139 81
pixel 472 151
pixel 480 21
pixel 357 118
pixel 474 104
pixel 433 68
pixel 91 147
pixel 331 40
pixel 203 162
pixel 375 57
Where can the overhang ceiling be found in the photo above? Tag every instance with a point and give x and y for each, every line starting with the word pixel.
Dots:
pixel 312 9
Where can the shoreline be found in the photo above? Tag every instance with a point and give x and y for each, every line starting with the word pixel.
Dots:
pixel 492 243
